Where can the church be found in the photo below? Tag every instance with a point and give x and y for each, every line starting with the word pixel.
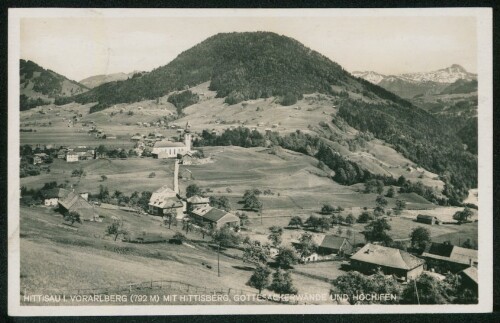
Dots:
pixel 170 149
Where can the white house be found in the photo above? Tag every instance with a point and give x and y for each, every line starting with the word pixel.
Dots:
pixel 51 197
pixel 164 200
pixel 170 149
pixel 71 157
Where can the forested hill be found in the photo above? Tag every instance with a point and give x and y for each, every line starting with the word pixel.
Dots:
pixel 39 86
pixel 239 66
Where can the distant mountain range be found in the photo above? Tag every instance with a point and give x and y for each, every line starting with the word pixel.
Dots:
pixel 409 85
pixel 94 81
pixel 39 86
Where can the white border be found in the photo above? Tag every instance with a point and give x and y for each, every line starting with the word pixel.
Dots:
pixel 485 122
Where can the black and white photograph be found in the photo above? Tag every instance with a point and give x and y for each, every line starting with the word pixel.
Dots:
pixel 232 161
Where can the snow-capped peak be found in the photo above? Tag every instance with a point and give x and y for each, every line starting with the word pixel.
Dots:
pixel 370 76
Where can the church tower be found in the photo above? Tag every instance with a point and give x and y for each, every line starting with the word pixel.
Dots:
pixel 187 136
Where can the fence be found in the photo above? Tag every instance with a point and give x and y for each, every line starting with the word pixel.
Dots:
pixel 149 286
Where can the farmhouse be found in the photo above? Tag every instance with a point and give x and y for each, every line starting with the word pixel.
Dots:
pixel 335 245
pixel 427 219
pixel 214 217
pixel 390 260
pixel 197 201
pixel 444 257
pixel 71 157
pixel 52 196
pixel 136 138
pixel 164 201
pixel 75 203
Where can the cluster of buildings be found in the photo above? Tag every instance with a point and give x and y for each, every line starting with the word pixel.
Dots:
pixel 166 202
pixel 69 201
pixel 75 154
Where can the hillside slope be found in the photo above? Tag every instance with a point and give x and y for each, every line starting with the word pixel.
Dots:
pixel 96 80
pixel 39 86
pixel 239 66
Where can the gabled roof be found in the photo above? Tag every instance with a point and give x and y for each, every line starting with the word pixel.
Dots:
pixel 427 217
pixel 74 202
pixel 451 253
pixel 55 192
pixel 215 215
pixel 167 144
pixel 196 199
pixel 164 197
pixel 332 242
pixel 388 257
pixel 471 272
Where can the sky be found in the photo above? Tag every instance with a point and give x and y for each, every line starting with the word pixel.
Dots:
pixel 81 47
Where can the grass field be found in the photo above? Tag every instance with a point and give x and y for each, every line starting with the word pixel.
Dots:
pixel 53 257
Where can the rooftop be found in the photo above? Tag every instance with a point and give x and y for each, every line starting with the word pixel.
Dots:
pixel 168 143
pixel 451 253
pixel 388 257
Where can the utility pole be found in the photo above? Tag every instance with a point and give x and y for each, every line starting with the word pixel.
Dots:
pixel 416 290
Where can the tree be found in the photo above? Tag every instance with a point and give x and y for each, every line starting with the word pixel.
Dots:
pixel 255 253
pixel 306 245
pixel 324 224
pixel 72 217
pixel 390 192
pixel 243 218
pixel 104 177
pixel 282 283
pixel 221 202
pixel 377 231
pixel 462 216
pixel 355 283
pixel 275 235
pixel 286 257
pixel 103 193
pixel 400 205
pixel 102 151
pixel 193 190
pixel 381 201
pixel 116 228
pixel 295 221
pixel 327 209
pixel 420 238
pixel 350 219
pixel 252 202
pixel 224 237
pixel 260 278
pixel 365 217
pixel 312 221
pixel 152 175
pixel 425 290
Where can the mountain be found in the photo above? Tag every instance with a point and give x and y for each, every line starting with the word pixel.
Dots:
pixel 265 66
pixel 96 80
pixel 409 85
pixel 239 66
pixel 39 86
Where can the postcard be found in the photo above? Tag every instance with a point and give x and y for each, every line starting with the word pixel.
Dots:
pixel 249 161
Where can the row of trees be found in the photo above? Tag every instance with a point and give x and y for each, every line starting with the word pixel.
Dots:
pixel 424 290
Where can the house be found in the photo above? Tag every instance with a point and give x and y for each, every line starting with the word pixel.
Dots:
pixel 37 159
pixel 214 217
pixel 311 258
pixel 444 257
pixel 470 279
pixel 427 219
pixel 391 261
pixel 84 153
pixel 73 202
pixel 164 201
pixel 136 138
pixel 335 245
pixel 52 196
pixel 61 154
pixel 197 201
pixel 170 149
pixel 71 157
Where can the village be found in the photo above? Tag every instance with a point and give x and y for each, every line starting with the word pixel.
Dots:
pixel 325 245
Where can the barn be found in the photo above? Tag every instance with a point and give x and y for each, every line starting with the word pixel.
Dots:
pixel 214 217
pixel 391 261
pixel 427 219
pixel 335 245
pixel 444 257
